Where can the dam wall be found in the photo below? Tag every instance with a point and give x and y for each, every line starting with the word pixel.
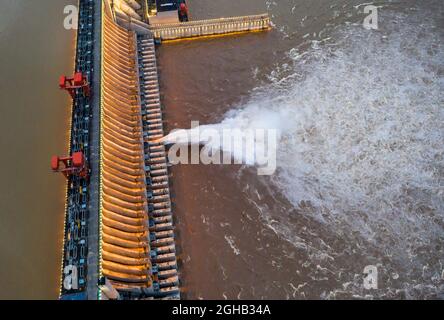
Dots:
pixel 137 247
pixel 118 229
pixel 125 249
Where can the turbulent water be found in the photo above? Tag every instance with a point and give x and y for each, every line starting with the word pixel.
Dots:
pixel 360 154
pixel 360 169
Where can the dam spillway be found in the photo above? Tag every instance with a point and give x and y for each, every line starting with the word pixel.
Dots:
pixel 125 248
pixel 137 241
pixel 118 223
pixel 119 238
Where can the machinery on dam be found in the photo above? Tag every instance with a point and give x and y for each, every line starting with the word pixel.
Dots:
pixel 118 231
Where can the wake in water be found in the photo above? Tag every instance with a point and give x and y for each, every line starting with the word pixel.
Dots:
pixel 361 134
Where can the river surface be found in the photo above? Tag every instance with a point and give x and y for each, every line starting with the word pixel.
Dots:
pixel 35 50
pixel 360 157
pixel 359 180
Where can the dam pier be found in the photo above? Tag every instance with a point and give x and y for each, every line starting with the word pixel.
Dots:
pixel 119 231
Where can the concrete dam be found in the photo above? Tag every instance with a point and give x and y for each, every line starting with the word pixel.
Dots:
pixel 119 231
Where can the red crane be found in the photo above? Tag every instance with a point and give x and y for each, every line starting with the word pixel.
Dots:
pixel 79 81
pixel 74 165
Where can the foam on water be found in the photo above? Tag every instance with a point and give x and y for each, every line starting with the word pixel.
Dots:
pixel 367 133
pixel 361 136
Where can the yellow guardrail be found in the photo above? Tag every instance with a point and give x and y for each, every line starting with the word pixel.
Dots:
pixel 211 27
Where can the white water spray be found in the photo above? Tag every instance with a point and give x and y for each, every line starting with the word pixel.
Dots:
pixel 361 135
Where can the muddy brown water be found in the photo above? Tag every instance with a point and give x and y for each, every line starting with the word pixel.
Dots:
pixel 230 222
pixel 35 50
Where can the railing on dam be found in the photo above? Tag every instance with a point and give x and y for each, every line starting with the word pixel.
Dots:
pixel 211 27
